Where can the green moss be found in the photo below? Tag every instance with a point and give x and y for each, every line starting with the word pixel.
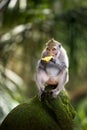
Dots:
pixel 48 114
pixel 63 111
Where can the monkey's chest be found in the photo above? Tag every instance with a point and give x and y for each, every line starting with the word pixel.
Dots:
pixel 52 69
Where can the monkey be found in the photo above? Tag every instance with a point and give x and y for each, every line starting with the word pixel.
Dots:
pixel 52 68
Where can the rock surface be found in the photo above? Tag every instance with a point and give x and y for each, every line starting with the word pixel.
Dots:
pixel 45 114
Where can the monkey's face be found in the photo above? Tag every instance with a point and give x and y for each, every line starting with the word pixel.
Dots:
pixel 52 50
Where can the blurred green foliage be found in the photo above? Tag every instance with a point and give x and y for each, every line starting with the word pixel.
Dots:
pixel 82 112
pixel 25 27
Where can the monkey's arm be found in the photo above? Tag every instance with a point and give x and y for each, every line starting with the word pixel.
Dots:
pixel 61 79
pixel 41 79
pixel 61 62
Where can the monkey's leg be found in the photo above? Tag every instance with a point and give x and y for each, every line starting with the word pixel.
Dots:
pixel 41 79
pixel 62 79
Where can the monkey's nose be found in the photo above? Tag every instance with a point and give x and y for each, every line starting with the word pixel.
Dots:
pixel 50 54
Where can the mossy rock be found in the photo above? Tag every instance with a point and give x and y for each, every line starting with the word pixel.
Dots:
pixel 45 114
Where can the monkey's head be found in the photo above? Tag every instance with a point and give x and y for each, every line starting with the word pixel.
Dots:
pixel 53 47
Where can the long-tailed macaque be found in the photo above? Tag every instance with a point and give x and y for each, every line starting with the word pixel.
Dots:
pixel 52 68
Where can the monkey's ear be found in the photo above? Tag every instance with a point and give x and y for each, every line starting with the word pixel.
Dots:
pixel 59 45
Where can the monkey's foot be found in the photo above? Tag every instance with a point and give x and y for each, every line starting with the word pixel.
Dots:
pixel 43 95
pixel 54 93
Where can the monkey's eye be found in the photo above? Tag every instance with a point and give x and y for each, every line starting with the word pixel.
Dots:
pixel 59 46
pixel 48 49
pixel 54 49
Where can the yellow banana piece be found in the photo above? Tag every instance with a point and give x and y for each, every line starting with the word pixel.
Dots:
pixel 47 59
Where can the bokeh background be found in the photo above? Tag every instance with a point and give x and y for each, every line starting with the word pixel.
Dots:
pixel 25 27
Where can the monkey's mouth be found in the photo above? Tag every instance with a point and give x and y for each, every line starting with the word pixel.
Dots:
pixel 53 55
